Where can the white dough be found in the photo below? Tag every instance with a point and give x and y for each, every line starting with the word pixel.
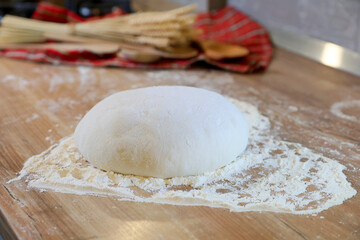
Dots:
pixel 164 131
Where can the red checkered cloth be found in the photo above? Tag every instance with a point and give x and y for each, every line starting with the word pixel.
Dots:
pixel 225 25
pixel 52 13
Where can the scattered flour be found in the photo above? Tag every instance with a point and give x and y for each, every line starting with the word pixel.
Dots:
pixel 86 76
pixel 14 82
pixel 33 117
pixel 57 104
pixel 78 117
pixel 293 109
pixel 55 81
pixel 178 76
pixel 338 109
pixel 92 85
pixel 50 139
pixel 13 120
pixel 191 78
pixel 208 79
pixel 271 175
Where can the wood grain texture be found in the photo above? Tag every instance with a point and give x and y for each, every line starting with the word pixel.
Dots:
pixel 40 104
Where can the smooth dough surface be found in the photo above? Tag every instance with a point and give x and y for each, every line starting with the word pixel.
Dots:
pixel 164 131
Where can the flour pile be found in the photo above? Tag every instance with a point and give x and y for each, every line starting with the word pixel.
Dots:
pixel 271 175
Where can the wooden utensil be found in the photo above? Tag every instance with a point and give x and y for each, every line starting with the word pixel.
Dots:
pixel 130 50
pixel 156 29
pixel 138 56
pixel 220 51
pixel 72 39
pixel 152 55
pixel 97 48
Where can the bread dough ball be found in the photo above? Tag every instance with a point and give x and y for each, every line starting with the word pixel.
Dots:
pixel 164 131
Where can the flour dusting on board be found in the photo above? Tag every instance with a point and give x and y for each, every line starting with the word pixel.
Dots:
pixel 16 83
pixel 339 107
pixel 272 175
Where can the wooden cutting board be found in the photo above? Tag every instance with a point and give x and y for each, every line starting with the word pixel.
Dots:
pixel 40 104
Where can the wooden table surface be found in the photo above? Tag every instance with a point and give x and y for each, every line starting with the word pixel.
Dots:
pixel 40 104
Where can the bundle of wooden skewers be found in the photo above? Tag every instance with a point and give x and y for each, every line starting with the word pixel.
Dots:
pixel 148 32
pixel 141 37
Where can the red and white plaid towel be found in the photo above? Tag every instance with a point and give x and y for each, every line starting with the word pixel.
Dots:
pixel 225 25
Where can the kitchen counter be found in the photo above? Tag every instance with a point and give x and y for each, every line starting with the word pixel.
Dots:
pixel 40 104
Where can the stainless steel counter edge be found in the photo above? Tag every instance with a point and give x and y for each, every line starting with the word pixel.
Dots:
pixel 324 52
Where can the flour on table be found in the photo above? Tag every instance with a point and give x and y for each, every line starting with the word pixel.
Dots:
pixel 293 109
pixel 339 107
pixel 12 120
pixel 271 175
pixel 50 139
pixel 195 78
pixel 32 117
pixel 16 83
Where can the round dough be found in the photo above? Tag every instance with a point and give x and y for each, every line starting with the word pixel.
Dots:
pixel 164 131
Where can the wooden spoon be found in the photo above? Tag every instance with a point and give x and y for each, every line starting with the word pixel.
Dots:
pixel 219 51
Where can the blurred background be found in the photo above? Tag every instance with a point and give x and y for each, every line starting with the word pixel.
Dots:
pixel 85 8
pixel 336 21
